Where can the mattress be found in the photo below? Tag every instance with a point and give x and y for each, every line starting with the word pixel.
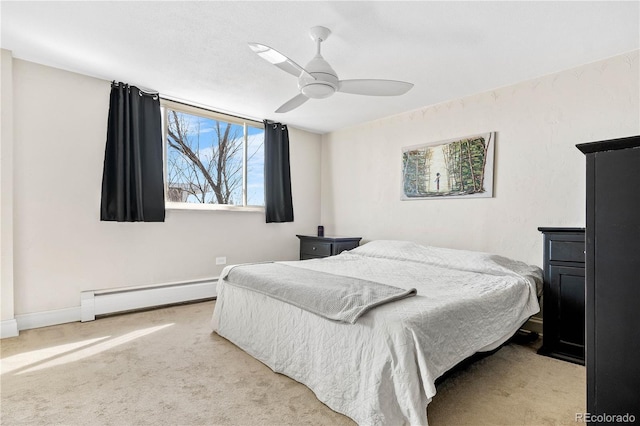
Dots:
pixel 381 370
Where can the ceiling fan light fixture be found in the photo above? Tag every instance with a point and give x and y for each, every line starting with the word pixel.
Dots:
pixel 318 90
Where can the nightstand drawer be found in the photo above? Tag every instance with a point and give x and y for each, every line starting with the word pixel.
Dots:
pixel 339 247
pixel 315 248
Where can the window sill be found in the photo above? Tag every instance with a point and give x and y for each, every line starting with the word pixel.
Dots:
pixel 212 207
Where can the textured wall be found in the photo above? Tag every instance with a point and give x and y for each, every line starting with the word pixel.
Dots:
pixel 539 174
pixel 60 246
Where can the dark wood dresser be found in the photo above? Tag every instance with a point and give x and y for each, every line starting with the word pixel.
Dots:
pixel 312 247
pixel 563 302
pixel 613 277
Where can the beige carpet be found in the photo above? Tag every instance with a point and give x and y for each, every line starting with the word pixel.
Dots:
pixel 166 367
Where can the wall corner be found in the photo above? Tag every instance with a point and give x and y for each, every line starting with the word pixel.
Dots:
pixel 6 195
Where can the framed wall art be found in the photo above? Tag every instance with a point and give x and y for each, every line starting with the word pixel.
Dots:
pixel 454 168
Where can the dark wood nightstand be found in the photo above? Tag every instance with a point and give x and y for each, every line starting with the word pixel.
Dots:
pixel 312 247
pixel 563 300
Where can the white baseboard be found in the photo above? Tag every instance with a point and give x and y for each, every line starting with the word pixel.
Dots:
pixel 94 303
pixel 101 302
pixel 8 328
pixel 534 324
pixel 47 318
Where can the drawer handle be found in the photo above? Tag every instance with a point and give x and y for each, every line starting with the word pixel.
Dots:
pixel 313 248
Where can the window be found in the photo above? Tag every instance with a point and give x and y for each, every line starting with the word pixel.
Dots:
pixel 212 158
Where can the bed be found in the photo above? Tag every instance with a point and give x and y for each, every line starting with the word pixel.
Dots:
pixel 381 369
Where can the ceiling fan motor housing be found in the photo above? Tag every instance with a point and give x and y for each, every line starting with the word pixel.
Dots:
pixel 326 83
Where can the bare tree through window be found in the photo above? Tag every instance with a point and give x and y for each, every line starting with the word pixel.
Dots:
pixel 205 159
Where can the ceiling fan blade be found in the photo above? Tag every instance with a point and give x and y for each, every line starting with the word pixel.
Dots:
pixel 279 60
pixel 374 87
pixel 293 103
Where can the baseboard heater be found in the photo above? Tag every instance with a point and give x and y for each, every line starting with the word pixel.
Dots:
pixel 103 302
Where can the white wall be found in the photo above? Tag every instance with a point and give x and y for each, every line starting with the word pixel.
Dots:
pixel 539 174
pixel 60 246
pixel 7 321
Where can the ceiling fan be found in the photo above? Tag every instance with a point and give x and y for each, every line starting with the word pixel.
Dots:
pixel 317 80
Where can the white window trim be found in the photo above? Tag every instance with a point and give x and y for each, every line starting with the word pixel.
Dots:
pixel 201 111
pixel 168 205
pixel 191 109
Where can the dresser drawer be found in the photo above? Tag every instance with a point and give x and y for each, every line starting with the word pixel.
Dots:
pixel 315 248
pixel 566 251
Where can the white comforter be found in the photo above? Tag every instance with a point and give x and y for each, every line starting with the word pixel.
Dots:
pixel 381 370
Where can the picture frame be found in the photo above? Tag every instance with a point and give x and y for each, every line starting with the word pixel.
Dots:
pixel 453 168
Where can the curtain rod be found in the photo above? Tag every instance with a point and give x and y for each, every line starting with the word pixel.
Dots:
pixel 189 104
pixel 141 90
pixel 274 123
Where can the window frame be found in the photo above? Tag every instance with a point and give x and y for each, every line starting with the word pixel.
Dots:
pixel 165 105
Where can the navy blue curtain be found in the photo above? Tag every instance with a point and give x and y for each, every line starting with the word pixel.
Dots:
pixel 132 179
pixel 277 175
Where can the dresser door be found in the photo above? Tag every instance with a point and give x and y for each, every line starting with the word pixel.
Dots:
pixel 613 367
pixel 566 309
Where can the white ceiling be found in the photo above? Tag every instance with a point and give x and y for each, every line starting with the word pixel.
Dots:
pixel 197 51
